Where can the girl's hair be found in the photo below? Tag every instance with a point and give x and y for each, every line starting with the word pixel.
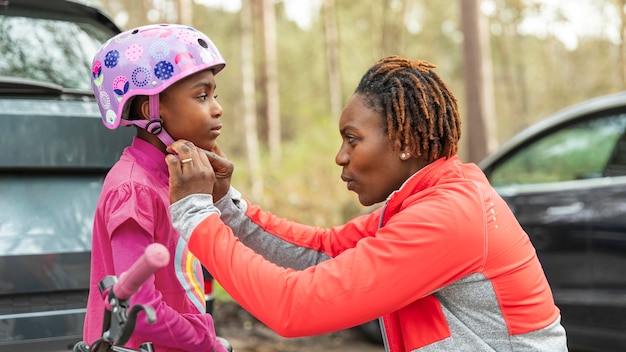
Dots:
pixel 416 105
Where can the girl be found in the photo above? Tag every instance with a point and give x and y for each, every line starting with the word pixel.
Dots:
pixel 159 78
pixel 444 263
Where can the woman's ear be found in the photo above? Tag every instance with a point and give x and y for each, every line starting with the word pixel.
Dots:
pixel 397 145
pixel 404 152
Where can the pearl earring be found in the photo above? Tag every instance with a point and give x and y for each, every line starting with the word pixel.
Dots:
pixel 404 155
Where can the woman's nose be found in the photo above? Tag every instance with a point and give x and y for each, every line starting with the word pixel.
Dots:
pixel 341 158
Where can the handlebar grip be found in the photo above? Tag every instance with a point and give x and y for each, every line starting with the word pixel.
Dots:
pixel 154 257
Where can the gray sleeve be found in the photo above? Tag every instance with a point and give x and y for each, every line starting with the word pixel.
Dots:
pixel 273 248
pixel 188 212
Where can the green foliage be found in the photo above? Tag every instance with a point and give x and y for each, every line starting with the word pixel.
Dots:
pixel 220 293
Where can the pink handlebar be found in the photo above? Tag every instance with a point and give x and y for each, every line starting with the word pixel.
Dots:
pixel 154 257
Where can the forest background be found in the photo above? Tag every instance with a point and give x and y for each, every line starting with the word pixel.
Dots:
pixel 292 64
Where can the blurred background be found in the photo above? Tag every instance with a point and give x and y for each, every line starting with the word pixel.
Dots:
pixel 292 64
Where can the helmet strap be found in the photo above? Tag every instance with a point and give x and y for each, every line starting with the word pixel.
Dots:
pixel 155 124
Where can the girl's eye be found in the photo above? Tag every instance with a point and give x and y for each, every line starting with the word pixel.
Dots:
pixel 350 138
pixel 202 96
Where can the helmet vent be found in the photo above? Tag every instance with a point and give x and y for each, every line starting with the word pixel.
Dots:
pixel 203 43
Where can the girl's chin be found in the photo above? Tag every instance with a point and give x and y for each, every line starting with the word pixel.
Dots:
pixel 207 145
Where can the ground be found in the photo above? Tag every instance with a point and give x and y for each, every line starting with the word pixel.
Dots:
pixel 247 334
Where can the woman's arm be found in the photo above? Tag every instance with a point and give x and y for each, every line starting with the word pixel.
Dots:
pixel 379 275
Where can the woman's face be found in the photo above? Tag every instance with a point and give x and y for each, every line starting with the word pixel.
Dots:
pixel 190 111
pixel 371 162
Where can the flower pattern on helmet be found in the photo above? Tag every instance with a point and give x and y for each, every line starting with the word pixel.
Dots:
pixel 146 61
pixel 96 70
pixel 120 85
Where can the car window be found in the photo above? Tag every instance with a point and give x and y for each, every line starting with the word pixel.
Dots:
pixel 49 50
pixel 47 213
pixel 578 151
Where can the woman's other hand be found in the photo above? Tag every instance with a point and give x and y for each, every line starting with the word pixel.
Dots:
pixel 223 169
pixel 190 172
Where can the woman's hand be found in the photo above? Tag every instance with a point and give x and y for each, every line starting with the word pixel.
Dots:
pixel 223 169
pixel 190 172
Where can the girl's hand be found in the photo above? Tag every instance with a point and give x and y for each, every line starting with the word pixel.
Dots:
pixel 190 172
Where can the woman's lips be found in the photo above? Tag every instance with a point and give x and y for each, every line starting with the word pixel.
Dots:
pixel 349 182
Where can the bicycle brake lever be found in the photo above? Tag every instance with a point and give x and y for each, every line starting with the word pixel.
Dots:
pixel 121 319
pixel 127 328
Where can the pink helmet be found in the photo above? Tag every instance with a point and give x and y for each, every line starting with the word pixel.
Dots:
pixel 146 61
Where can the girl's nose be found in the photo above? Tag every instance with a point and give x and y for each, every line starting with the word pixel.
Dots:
pixel 217 110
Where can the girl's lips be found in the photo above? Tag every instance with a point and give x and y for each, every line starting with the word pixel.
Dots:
pixel 216 131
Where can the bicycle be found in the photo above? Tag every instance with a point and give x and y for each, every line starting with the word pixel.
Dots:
pixel 119 317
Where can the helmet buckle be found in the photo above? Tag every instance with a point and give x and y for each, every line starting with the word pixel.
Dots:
pixel 154 126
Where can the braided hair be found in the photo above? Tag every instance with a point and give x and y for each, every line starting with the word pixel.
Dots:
pixel 417 106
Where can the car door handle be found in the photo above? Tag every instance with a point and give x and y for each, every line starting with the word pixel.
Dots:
pixel 566 209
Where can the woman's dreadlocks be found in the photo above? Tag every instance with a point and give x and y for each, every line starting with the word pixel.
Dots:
pixel 416 104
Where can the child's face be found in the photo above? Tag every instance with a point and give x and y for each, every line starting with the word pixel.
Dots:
pixel 190 111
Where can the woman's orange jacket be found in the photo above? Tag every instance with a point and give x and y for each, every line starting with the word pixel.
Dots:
pixel 444 263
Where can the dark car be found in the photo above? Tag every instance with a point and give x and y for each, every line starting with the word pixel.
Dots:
pixel 565 180
pixel 54 155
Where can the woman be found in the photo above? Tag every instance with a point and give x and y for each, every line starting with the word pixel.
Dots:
pixel 444 263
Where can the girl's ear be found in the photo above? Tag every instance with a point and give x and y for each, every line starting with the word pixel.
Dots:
pixel 144 109
pixel 139 108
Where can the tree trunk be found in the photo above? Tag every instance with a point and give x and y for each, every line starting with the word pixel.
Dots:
pixel 332 59
pixel 271 75
pixel 621 5
pixel 478 77
pixel 185 14
pixel 249 100
pixel 393 27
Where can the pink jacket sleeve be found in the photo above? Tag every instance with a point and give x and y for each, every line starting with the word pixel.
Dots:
pixel 189 332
